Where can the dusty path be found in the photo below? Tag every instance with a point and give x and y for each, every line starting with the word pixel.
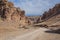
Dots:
pixel 31 35
pixel 38 35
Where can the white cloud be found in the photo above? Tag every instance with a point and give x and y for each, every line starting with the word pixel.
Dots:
pixel 34 6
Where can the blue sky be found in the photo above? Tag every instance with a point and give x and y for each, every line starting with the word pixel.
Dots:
pixel 35 7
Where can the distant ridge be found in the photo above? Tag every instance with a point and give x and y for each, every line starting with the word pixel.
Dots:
pixel 52 12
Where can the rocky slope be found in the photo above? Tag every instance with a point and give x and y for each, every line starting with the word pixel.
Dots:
pixel 52 12
pixel 34 19
pixel 52 17
pixel 12 14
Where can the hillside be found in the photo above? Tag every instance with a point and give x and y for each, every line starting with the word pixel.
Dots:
pixel 52 17
pixel 12 14
pixel 34 19
pixel 13 21
pixel 52 12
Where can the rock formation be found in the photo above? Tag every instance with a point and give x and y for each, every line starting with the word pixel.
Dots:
pixel 52 12
pixel 10 13
pixel 34 19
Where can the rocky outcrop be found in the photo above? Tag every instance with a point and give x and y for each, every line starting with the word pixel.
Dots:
pixel 10 13
pixel 34 19
pixel 52 12
pixel 52 18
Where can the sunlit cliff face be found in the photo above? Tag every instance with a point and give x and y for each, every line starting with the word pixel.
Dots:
pixel 8 12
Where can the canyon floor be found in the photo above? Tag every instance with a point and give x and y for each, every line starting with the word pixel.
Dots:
pixel 31 33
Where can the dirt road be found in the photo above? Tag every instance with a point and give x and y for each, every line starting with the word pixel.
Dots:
pixel 31 35
pixel 38 35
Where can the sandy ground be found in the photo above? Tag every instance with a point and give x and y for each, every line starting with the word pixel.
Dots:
pixel 10 30
pixel 38 34
pixel 11 33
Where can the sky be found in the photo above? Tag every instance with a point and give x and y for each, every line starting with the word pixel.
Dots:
pixel 35 7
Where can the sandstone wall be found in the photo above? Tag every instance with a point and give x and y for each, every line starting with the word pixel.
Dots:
pixel 9 12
